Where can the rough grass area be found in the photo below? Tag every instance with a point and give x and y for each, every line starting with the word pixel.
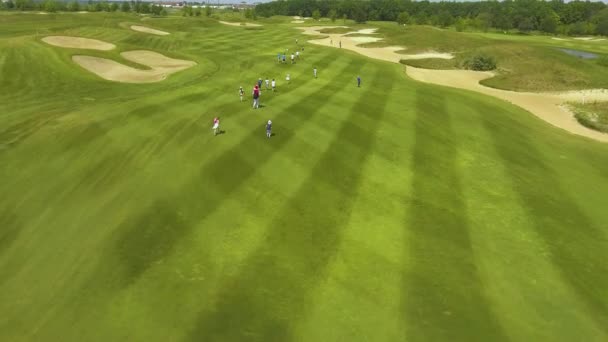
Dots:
pixel 593 115
pixel 526 63
pixel 397 211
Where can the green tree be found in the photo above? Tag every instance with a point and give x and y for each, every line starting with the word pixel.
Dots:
pixel 483 21
pixel 445 19
pixel 460 25
pixel 9 5
pixel 74 6
pixel 208 11
pixel 601 22
pixel 248 13
pixel 114 7
pixel 403 18
pixel 197 12
pixel 125 6
pixel 316 15
pixel 359 15
pixel 332 15
pixel 50 6
pixel 156 9
pixel 525 25
pixel 344 18
pixel 549 22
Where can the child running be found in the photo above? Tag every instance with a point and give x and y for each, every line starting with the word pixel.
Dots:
pixel 314 71
pixel 216 126
pixel 288 79
pixel 274 85
pixel 268 129
pixel 267 83
pixel 241 93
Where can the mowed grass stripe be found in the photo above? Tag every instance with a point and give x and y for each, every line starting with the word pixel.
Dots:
pixel 272 292
pixel 443 297
pixel 513 261
pixel 577 253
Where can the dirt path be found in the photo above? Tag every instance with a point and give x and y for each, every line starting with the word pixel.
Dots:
pixel 546 106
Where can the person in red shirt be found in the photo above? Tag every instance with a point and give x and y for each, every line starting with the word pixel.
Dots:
pixel 256 96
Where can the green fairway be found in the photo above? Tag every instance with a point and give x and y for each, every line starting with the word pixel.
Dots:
pixel 398 211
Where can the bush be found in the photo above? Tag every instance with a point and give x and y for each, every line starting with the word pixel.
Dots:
pixel 480 63
pixel 603 61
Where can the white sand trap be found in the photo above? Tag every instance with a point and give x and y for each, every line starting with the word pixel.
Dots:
pixel 547 106
pixel 78 43
pixel 365 39
pixel 297 17
pixel 81 12
pixel 583 38
pixel 148 30
pixel 429 54
pixel 239 24
pixel 555 38
pixel 598 40
pixel 352 43
pixel 367 31
pixel 161 67
pixel 298 22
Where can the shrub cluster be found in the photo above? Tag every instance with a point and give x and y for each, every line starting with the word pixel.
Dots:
pixel 480 63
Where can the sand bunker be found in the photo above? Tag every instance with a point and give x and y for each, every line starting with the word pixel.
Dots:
pixel 367 31
pixel 352 43
pixel 148 30
pixel 160 67
pixel 239 24
pixel 78 43
pixel 298 22
pixel 555 38
pixel 365 39
pixel 547 106
pixel 583 38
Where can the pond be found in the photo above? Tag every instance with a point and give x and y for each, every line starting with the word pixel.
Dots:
pixel 580 54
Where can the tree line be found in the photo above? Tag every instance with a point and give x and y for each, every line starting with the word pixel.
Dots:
pixel 555 16
pixel 75 6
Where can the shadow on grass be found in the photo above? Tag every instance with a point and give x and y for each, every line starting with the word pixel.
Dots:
pixel 272 291
pixel 216 181
pixel 443 296
pixel 577 245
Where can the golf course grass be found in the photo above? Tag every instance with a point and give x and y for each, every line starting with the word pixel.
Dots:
pixel 398 211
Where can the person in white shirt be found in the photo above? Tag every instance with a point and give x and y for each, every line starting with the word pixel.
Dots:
pixel 274 85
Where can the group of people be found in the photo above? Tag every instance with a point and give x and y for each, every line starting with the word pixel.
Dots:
pixel 257 89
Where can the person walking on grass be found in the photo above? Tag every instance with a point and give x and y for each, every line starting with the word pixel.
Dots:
pixel 267 83
pixel 284 58
pixel 256 96
pixel 260 83
pixel 268 129
pixel 314 71
pixel 358 81
pixel 216 126
pixel 241 93
pixel 297 54
pixel 340 44
pixel 274 85
pixel 288 78
pixel 293 58
pixel 279 57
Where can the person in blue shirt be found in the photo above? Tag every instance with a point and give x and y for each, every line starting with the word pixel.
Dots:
pixel 358 81
pixel 268 129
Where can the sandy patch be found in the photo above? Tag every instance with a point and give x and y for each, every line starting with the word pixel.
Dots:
pixel 81 12
pixel 555 38
pixel 598 40
pixel 239 24
pixel 547 106
pixel 367 31
pixel 365 39
pixel 298 22
pixel 148 30
pixel 160 67
pixel 352 43
pixel 78 43
pixel 297 17
pixel 583 38
pixel 42 13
